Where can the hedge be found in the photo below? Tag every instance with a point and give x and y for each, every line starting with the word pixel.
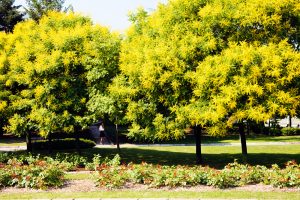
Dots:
pixel 60 144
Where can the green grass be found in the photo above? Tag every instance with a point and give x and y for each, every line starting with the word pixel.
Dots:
pixel 225 194
pixel 11 142
pixel 254 138
pixel 188 140
pixel 235 138
pixel 214 156
pixel 79 176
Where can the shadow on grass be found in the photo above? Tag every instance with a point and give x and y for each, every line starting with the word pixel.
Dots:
pixel 153 156
pixel 137 155
pixel 4 141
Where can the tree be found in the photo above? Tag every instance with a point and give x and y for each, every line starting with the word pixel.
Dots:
pixel 53 67
pixel 163 52
pixel 4 91
pixel 260 23
pixel 9 15
pixel 248 82
pixel 37 8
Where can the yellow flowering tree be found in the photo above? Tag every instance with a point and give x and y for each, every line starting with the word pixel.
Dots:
pixel 4 91
pixel 245 82
pixel 165 52
pixel 55 67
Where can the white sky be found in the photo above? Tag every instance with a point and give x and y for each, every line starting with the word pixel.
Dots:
pixel 111 13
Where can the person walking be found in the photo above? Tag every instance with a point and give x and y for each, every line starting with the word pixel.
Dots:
pixel 102 134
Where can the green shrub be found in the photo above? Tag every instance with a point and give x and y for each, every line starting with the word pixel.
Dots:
pixel 5 177
pixel 4 157
pixel 38 174
pixel 199 175
pixel 111 176
pixel 275 132
pixel 290 131
pixel 233 175
pixel 94 164
pixel 287 177
pixel 253 175
pixel 223 179
pixel 71 161
pixel 61 144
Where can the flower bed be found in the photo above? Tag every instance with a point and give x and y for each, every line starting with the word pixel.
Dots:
pixel 114 175
pixel 42 172
pixel 36 174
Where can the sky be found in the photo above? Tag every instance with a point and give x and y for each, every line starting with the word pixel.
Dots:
pixel 111 13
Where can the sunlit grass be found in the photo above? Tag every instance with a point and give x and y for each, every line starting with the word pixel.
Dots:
pixel 224 194
pixel 189 140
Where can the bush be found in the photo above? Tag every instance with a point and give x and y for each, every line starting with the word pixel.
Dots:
pixel 61 144
pixel 38 174
pixel 4 157
pixel 288 177
pixel 290 131
pixel 234 174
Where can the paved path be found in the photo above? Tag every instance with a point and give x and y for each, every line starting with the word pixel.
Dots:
pixel 17 148
pixel 12 148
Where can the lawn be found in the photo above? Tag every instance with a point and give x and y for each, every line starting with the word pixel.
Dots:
pixel 224 194
pixel 235 138
pixel 12 141
pixel 214 156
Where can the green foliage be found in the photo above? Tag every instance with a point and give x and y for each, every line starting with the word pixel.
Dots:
pixel 4 157
pixel 248 82
pixel 94 164
pixel 211 63
pixel 288 177
pixel 233 175
pixel 62 144
pixel 38 174
pixel 290 131
pixel 52 69
pixel 37 8
pixel 9 15
pixel 42 172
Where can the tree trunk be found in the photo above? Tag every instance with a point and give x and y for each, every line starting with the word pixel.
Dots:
pixel 49 144
pixel 248 128
pixel 77 139
pixel 290 121
pixel 28 141
pixel 243 138
pixel 197 133
pixel 1 130
pixel 269 128
pixel 117 138
pixel 1 133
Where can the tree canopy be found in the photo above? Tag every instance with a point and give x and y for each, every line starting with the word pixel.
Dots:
pixel 53 68
pixel 37 8
pixel 181 61
pixel 9 15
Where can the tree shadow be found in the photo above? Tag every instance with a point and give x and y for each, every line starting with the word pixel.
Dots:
pixel 11 140
pixel 138 155
pixel 154 156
